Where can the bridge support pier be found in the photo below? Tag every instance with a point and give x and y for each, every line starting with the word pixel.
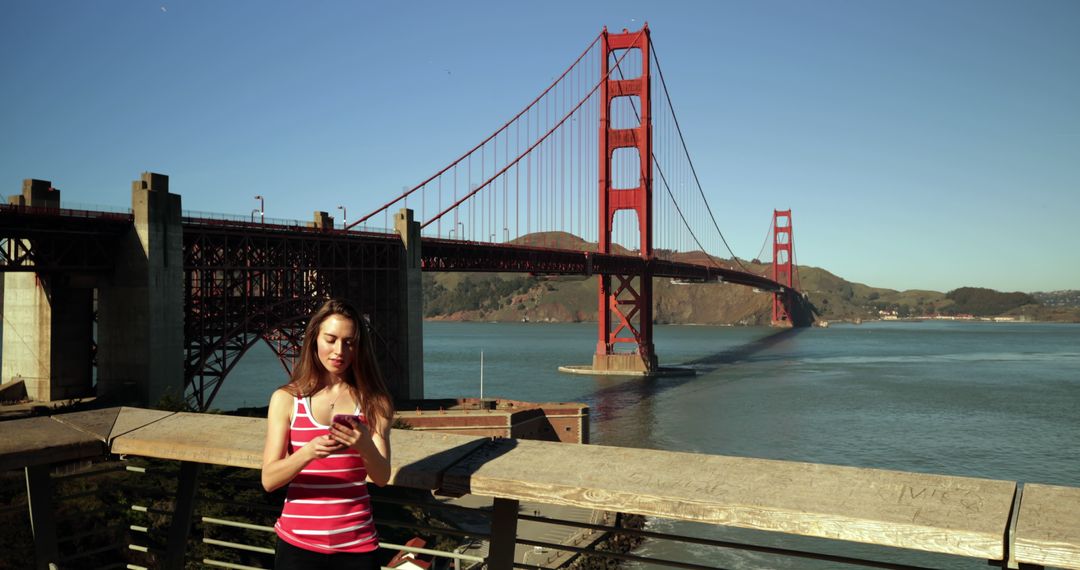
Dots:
pixel 412 325
pixel 48 322
pixel 141 308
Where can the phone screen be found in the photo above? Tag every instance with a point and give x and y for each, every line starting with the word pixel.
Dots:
pixel 347 419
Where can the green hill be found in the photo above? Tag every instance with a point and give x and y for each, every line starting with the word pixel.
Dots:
pixel 516 297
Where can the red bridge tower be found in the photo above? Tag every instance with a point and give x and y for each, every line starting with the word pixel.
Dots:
pixel 781 315
pixel 625 310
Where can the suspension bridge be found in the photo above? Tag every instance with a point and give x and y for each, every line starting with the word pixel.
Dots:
pixel 592 177
pixel 526 199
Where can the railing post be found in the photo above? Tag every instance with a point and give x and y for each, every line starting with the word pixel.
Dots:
pixel 503 534
pixel 39 492
pixel 183 511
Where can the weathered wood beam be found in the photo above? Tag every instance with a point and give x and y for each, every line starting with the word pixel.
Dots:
pixel 42 441
pixel 1048 526
pixel 934 513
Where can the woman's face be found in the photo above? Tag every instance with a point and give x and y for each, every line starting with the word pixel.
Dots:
pixel 335 343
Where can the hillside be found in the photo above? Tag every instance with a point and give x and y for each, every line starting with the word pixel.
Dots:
pixel 513 297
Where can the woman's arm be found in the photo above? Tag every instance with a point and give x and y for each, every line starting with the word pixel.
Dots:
pixel 373 444
pixel 278 466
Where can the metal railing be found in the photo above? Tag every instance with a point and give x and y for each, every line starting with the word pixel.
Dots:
pixel 104 213
pixel 186 490
pixel 235 220
pixel 241 539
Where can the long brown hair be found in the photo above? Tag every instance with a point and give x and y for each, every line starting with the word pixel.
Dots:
pixel 364 378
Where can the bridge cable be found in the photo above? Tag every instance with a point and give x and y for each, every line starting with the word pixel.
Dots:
pixel 765 242
pixel 406 194
pixel 693 171
pixel 522 155
pixel 656 163
pixel 794 261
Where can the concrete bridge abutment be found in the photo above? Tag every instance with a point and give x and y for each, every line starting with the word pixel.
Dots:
pixel 48 321
pixel 49 316
pixel 412 316
pixel 141 305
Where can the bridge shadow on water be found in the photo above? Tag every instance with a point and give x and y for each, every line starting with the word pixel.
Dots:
pixel 616 395
pixel 736 354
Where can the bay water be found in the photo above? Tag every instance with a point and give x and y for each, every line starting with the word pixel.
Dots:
pixel 993 400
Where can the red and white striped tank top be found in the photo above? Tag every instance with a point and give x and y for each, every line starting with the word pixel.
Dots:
pixel 327 508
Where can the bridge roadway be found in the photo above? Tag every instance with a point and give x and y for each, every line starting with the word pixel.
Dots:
pixel 79 240
pixel 450 255
pixel 993 520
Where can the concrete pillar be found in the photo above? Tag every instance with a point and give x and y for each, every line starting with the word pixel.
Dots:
pixel 48 323
pixel 323 221
pixel 413 315
pixel 37 194
pixel 48 327
pixel 141 309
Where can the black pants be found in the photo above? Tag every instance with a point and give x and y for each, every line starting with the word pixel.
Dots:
pixel 289 557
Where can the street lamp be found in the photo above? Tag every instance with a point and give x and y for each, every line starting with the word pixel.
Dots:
pixel 261 210
pixel 344 216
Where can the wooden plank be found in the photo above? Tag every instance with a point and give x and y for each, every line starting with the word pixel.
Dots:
pixel 131 419
pixel 98 423
pixel 418 458
pixel 201 438
pixel 40 441
pixel 934 513
pixel 1048 526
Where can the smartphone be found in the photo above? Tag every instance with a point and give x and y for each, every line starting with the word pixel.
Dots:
pixel 348 419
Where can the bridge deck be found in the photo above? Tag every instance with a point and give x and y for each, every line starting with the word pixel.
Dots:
pixel 464 256
pixel 935 513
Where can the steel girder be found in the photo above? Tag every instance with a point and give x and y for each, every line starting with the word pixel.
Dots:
pixel 249 284
pixel 53 240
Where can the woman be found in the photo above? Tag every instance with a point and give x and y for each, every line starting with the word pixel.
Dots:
pixel 326 521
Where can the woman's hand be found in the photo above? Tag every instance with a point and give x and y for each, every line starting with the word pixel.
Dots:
pixel 322 446
pixel 373 444
pixel 351 434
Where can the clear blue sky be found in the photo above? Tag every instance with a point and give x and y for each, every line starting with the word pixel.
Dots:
pixel 920 144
